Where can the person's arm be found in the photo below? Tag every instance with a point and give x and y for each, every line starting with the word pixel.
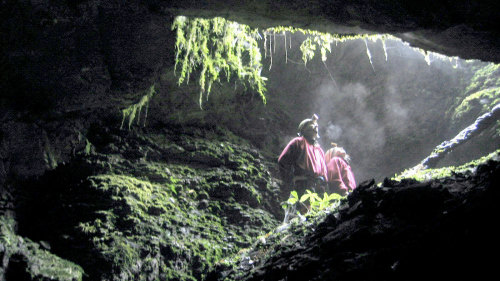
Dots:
pixel 348 177
pixel 287 160
pixel 324 169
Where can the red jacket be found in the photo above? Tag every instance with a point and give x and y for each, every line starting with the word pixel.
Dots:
pixel 302 158
pixel 340 174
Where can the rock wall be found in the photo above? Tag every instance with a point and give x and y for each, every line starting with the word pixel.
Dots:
pixel 406 230
pixel 148 206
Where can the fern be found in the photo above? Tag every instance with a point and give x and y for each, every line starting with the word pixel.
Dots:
pixel 320 203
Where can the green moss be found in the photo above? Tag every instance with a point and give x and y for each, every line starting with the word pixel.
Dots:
pixel 429 174
pixel 133 112
pixel 7 233
pixel 485 99
pixel 40 263
pixel 316 40
pixel 135 212
pixel 485 77
pixel 217 46
pixel 482 93
pixel 170 219
pixel 43 264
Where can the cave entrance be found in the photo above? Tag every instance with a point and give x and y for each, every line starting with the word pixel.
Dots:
pixel 387 103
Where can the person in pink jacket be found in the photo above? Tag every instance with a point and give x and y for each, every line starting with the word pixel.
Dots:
pixel 340 177
pixel 302 165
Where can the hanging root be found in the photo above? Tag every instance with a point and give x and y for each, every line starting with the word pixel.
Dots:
pixel 369 54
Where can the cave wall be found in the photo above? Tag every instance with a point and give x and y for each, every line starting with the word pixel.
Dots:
pixel 455 28
pixel 87 52
pixel 73 55
pixel 66 65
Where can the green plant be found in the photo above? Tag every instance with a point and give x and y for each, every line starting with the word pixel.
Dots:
pixel 316 40
pixel 482 94
pixel 213 48
pixel 316 202
pixel 7 236
pixel 485 98
pixel 292 200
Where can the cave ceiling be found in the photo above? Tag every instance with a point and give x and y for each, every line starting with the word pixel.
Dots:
pixel 463 28
pixel 88 53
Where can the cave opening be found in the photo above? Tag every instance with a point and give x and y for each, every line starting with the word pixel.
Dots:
pixel 388 103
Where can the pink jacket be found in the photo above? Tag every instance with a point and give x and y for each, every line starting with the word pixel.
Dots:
pixel 308 157
pixel 340 174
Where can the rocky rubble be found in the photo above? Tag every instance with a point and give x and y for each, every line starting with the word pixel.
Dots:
pixel 408 230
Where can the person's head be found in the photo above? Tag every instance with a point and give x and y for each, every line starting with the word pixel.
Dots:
pixel 309 128
pixel 336 151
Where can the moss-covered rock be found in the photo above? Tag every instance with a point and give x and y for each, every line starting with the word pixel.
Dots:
pixel 23 259
pixel 153 206
pixel 481 95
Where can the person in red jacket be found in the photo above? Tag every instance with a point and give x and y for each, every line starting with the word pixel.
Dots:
pixel 302 165
pixel 340 177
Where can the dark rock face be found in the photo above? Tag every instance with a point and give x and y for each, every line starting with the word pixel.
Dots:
pixel 407 230
pixel 460 28
pixel 77 55
pixel 150 206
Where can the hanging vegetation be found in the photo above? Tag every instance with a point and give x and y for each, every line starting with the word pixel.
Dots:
pixel 214 47
pixel 217 48
pixel 133 112
pixel 316 40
